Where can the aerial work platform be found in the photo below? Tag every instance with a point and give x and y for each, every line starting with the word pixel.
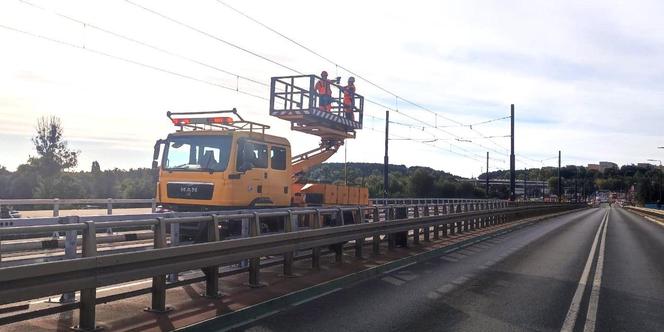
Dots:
pixel 294 99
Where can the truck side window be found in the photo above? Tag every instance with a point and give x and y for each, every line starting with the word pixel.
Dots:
pixel 251 154
pixel 278 158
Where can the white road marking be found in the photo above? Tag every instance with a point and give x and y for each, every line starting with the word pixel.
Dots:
pixel 445 288
pixel 399 268
pixel 460 280
pixel 315 297
pixel 591 316
pixel 449 259
pixel 393 281
pixel 573 312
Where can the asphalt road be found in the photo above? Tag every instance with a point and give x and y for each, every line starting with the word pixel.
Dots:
pixel 565 273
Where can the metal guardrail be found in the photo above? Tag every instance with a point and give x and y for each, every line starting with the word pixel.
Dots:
pixel 57 202
pixel 42 221
pixel 108 202
pixel 92 271
pixel 416 200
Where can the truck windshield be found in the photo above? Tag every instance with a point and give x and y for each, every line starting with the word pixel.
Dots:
pixel 192 153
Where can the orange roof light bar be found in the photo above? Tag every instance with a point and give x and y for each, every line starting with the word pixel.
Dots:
pixel 179 122
pixel 222 120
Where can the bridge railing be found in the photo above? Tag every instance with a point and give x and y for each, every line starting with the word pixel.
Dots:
pixel 56 203
pixel 305 229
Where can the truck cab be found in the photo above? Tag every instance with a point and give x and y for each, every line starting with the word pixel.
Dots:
pixel 214 163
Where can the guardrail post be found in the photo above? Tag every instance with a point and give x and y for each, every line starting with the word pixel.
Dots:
pixel 452 226
pixel 255 262
pixel 288 256
pixel 86 320
pixel 376 238
pixel 159 282
pixel 56 207
pixel 339 247
pixel 445 225
pixel 416 230
pixel 70 252
pixel 109 206
pixel 427 229
pixel 315 252
pixel 391 240
pixel 175 241
pixel 212 272
pixel 436 227
pixel 359 243
pixel 154 205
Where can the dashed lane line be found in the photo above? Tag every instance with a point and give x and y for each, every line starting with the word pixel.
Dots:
pixel 591 316
pixel 573 311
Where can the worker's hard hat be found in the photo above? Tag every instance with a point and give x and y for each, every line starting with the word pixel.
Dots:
pixel 351 79
pixel 323 73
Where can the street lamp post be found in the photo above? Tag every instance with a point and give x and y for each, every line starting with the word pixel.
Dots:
pixel 660 180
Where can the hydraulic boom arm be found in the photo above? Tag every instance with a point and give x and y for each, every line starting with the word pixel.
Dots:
pixel 305 161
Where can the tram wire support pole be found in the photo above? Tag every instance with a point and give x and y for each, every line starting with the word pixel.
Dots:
pixel 525 184
pixel 560 183
pixel 512 158
pixel 487 174
pixel 386 159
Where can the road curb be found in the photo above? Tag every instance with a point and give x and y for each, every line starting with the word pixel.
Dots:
pixel 270 307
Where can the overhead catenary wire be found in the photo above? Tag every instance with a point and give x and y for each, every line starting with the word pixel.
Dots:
pixel 397 97
pixel 215 37
pixel 134 62
pixel 87 24
pixel 428 144
pixel 142 43
pixel 434 140
pixel 371 82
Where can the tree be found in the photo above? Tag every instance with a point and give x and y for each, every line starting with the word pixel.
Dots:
pixel 421 183
pixel 54 153
pixel 95 169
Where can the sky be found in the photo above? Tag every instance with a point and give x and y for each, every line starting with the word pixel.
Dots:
pixel 586 77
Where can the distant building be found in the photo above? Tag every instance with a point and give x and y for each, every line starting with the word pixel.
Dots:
pixel 604 165
pixel 644 165
pixel 593 166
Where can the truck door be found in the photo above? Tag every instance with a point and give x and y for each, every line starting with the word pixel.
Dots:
pixel 252 161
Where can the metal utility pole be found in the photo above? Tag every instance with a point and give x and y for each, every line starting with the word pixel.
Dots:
pixel 525 178
pixel 539 176
pixel 512 159
pixel 386 160
pixel 659 171
pixel 560 183
pixel 487 174
pixel 576 181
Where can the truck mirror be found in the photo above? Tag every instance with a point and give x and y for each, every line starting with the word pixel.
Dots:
pixel 245 166
pixel 157 148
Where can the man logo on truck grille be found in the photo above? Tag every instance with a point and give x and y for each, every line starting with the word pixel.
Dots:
pixel 188 190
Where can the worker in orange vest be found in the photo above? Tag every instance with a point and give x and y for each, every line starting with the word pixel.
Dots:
pixel 349 98
pixel 324 91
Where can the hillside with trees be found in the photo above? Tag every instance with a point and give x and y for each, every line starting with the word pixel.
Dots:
pixel 48 174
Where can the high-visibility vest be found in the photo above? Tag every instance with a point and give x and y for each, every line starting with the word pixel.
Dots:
pixel 349 91
pixel 323 87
